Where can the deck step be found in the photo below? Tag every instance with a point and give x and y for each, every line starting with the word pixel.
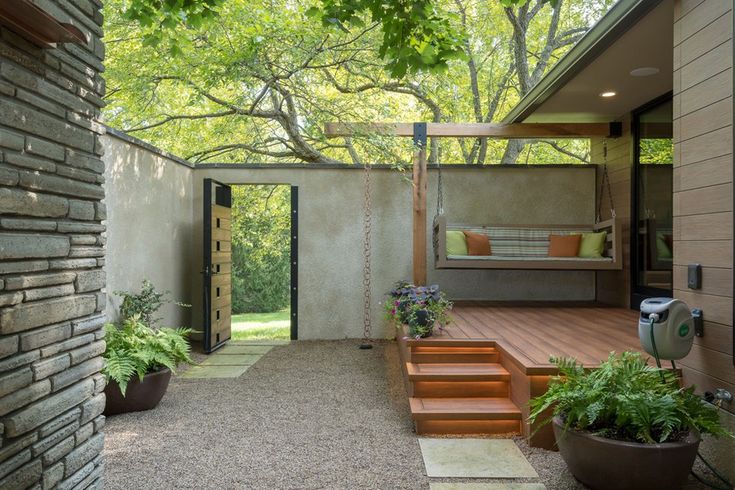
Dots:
pixel 435 342
pixel 504 428
pixel 424 354
pixel 443 380
pixel 464 409
pixel 443 371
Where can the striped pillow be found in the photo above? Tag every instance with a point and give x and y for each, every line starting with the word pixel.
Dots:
pixel 518 242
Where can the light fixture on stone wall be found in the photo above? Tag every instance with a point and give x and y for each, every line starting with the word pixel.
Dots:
pixel 36 25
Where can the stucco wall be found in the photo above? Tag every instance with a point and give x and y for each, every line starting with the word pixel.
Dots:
pixel 155 231
pixel 330 229
pixel 149 224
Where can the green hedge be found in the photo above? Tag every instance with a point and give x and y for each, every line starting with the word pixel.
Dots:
pixel 261 224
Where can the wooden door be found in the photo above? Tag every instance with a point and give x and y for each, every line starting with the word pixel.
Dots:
pixel 217 264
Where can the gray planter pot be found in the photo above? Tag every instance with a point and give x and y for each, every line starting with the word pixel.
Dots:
pixel 608 464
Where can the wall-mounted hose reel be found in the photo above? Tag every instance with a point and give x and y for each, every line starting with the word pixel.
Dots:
pixel 666 328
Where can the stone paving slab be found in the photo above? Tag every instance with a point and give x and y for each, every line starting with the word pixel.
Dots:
pixel 245 349
pixel 231 360
pixel 474 458
pixel 214 372
pixel 486 486
pixel 259 342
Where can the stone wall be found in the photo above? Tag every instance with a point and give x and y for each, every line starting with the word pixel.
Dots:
pixel 52 257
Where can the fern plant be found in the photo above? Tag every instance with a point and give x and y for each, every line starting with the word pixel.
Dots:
pixel 625 399
pixel 135 349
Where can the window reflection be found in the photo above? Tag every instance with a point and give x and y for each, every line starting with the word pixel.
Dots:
pixel 654 203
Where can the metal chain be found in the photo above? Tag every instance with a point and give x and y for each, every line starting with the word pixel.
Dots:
pixel 366 269
pixel 605 185
pixel 439 192
pixel 609 192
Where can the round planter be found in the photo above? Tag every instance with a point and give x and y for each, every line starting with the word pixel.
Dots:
pixel 140 395
pixel 422 320
pixel 413 333
pixel 604 464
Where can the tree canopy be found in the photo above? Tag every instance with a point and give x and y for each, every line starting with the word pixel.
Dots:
pixel 255 80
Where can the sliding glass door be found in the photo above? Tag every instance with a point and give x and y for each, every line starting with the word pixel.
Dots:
pixel 652 238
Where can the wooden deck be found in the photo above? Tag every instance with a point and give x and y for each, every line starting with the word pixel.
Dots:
pixel 533 332
pixel 478 376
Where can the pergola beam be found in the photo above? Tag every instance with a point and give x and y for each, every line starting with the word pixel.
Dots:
pixel 478 130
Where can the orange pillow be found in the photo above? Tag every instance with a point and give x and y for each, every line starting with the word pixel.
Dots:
pixel 477 243
pixel 564 245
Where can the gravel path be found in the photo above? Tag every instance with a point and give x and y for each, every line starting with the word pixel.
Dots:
pixel 309 415
pixel 306 415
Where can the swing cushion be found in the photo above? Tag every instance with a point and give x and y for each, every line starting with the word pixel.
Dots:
pixel 663 247
pixel 564 245
pixel 477 243
pixel 592 245
pixel 456 243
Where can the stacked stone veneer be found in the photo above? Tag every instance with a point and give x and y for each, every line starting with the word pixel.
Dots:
pixel 51 257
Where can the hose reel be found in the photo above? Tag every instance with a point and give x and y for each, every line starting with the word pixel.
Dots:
pixel 666 328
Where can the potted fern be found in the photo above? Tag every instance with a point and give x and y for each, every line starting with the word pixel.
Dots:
pixel 618 425
pixel 139 357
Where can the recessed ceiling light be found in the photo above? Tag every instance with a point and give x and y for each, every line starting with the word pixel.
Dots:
pixel 644 71
pixel 608 94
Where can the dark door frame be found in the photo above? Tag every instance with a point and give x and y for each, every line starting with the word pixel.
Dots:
pixel 639 293
pixel 294 256
pixel 222 196
pixel 294 262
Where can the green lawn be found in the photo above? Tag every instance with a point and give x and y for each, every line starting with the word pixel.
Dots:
pixel 262 326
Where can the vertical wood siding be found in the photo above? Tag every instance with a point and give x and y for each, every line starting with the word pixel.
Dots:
pixel 613 287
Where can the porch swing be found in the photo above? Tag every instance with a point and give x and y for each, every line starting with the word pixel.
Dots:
pixel 527 246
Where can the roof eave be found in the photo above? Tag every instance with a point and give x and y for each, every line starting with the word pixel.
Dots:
pixel 621 17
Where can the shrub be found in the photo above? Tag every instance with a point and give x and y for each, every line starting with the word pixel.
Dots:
pixel 144 304
pixel 261 248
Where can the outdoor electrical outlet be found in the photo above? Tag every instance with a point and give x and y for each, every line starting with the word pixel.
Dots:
pixel 694 276
pixel 698 316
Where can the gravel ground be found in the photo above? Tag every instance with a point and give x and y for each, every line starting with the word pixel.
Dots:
pixel 309 415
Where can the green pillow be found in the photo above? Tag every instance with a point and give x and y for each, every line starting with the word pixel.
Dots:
pixel 456 243
pixel 662 248
pixel 592 245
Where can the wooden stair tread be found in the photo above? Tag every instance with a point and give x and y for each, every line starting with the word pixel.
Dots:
pixel 457 371
pixel 464 408
pixel 434 342
pixel 430 349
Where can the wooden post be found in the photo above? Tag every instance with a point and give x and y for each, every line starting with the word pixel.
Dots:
pixel 420 186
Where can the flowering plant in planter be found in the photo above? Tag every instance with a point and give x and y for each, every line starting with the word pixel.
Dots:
pixel 419 307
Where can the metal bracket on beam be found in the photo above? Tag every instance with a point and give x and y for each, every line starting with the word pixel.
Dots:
pixel 616 129
pixel 419 134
